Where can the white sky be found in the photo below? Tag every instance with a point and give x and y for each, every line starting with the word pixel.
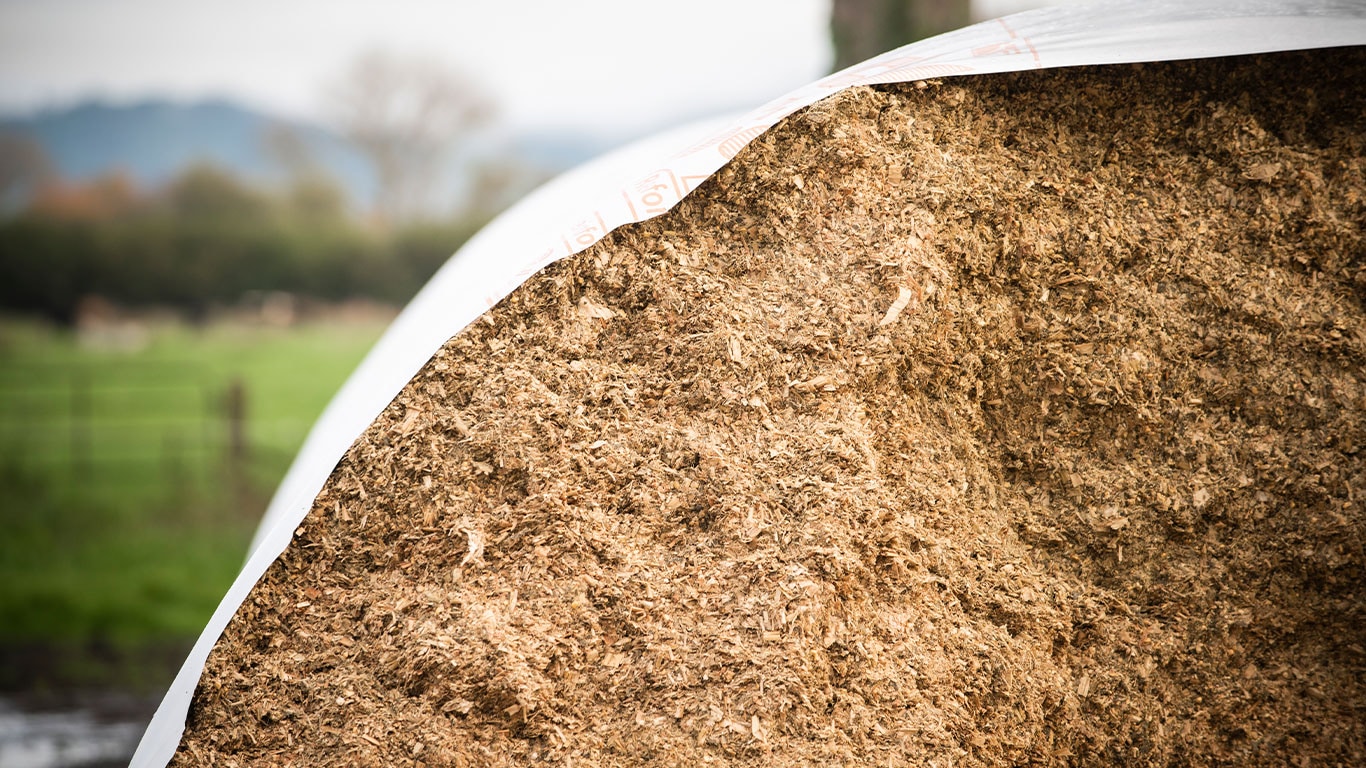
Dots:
pixel 616 65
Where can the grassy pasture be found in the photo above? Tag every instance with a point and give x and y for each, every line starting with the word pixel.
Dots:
pixel 125 510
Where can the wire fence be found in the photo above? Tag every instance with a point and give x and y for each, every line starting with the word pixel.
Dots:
pixel 161 433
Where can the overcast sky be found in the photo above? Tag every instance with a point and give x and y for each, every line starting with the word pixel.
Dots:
pixel 589 64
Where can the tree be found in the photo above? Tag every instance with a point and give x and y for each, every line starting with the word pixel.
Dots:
pixel 861 29
pixel 206 192
pixel 107 196
pixel 316 199
pixel 405 114
pixel 24 169
pixel 289 151
pixel 310 192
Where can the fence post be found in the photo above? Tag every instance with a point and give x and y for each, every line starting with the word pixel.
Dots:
pixel 173 467
pixel 80 424
pixel 235 409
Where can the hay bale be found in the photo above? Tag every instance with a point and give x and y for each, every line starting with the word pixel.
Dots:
pixel 1006 419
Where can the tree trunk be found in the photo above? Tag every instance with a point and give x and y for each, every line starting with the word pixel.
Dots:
pixel 862 29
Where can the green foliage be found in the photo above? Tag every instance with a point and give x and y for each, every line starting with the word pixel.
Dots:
pixel 207 240
pixel 205 192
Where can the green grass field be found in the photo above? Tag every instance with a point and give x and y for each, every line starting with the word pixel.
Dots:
pixel 124 512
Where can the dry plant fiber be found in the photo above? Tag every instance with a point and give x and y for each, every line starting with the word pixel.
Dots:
pixel 1006 420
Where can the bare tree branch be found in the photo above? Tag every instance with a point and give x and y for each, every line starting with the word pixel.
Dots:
pixel 405 114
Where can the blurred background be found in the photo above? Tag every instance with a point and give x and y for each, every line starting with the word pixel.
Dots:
pixel 209 211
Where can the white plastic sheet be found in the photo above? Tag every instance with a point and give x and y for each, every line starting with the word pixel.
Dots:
pixel 642 181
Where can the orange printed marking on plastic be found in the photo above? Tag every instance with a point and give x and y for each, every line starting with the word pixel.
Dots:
pixel 777 109
pixel 1009 47
pixel 736 141
pixel 867 71
pixel 654 194
pixel 584 233
pixel 547 256
pixel 700 146
pixel 768 114
pixel 918 72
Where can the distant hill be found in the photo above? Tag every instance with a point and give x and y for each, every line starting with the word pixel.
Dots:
pixel 155 139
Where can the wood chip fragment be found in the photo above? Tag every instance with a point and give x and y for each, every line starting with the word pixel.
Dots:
pixel 903 300
pixel 474 546
pixel 595 311
pixel 733 350
pixel 1263 171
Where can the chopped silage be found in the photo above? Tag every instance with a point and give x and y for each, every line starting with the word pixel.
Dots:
pixel 1013 419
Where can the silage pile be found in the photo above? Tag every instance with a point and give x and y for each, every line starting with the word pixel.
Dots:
pixel 1014 419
